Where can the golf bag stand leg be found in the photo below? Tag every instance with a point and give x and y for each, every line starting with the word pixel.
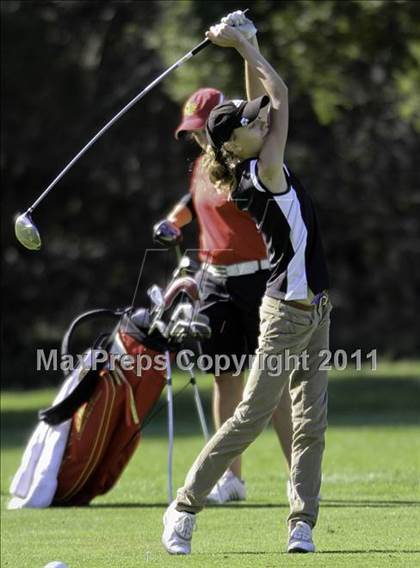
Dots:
pixel 197 398
pixel 170 410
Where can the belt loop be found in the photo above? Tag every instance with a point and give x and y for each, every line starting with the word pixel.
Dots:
pixel 323 302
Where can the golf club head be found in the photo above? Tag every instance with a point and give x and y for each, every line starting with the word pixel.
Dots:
pixel 141 318
pixel 182 329
pixel 184 284
pixel 183 311
pixel 160 326
pixel 156 295
pixel 200 330
pixel 179 330
pixel 26 232
pixel 186 267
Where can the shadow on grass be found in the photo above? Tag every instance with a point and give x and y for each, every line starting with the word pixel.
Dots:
pixel 352 402
pixel 367 503
pixel 370 551
pixel 332 503
pixel 268 552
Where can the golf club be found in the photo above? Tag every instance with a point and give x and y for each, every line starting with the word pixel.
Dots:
pixel 25 229
pixel 170 419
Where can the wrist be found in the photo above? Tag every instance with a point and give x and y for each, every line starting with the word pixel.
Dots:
pixel 248 51
pixel 241 43
pixel 255 44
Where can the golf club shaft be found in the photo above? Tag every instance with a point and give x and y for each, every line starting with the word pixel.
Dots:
pixel 144 92
pixel 178 254
pixel 170 409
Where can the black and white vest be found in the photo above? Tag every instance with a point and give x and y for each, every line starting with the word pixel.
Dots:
pixel 290 228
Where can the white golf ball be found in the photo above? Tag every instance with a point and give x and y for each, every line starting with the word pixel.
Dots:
pixel 56 564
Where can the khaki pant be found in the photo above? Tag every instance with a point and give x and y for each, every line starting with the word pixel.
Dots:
pixel 285 331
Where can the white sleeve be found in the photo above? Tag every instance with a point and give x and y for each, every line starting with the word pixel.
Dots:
pixel 253 171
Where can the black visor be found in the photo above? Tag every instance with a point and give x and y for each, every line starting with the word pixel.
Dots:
pixel 224 118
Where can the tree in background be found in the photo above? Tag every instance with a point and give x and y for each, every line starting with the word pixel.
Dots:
pixel 353 69
pixel 67 68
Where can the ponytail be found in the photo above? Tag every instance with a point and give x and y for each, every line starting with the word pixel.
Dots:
pixel 221 169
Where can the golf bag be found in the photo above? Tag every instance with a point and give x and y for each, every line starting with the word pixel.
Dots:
pixel 105 429
pixel 86 438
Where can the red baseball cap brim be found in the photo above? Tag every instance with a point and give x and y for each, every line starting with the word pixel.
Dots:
pixel 197 109
pixel 190 124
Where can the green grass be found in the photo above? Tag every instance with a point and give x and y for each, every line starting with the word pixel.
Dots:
pixel 370 511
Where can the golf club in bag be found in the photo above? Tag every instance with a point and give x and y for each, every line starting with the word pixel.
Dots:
pixel 86 438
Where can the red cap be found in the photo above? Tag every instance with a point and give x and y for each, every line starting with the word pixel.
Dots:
pixel 197 109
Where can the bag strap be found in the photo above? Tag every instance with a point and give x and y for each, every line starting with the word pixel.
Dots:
pixel 86 316
pixel 65 409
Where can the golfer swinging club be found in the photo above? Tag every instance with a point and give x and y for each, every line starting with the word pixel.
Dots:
pixel 245 159
pixel 232 280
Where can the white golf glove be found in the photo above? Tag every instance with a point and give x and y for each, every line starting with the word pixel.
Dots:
pixel 239 21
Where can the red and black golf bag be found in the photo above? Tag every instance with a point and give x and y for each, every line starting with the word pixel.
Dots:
pixel 108 408
pixel 87 437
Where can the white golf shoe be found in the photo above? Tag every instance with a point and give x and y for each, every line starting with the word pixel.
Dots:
pixel 300 538
pixel 228 488
pixel 178 529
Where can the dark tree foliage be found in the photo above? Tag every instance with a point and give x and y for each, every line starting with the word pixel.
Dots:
pixel 353 74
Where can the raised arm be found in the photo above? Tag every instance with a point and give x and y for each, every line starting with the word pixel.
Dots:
pixel 246 27
pixel 272 153
pixel 253 85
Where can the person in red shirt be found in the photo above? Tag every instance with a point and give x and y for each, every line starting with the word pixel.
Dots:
pixel 232 279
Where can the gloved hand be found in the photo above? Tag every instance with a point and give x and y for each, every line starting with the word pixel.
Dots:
pixel 239 21
pixel 166 233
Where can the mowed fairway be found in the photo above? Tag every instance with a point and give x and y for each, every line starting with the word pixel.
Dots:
pixel 370 511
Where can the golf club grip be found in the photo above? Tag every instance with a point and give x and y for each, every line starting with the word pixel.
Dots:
pixel 206 41
pixel 200 46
